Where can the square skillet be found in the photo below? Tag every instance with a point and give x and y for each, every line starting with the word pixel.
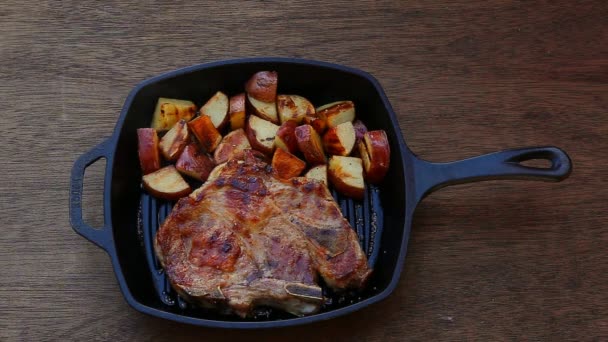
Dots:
pixel 382 220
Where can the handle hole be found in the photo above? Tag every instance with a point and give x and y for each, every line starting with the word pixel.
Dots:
pixel 92 194
pixel 538 163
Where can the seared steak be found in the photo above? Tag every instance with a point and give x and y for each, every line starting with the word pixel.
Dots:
pixel 246 238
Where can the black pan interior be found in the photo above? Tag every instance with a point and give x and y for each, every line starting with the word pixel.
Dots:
pixel 378 219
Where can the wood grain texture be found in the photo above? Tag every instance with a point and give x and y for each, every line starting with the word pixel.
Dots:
pixel 489 261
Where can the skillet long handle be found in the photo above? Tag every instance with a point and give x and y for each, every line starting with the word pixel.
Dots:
pixel 101 237
pixel 499 165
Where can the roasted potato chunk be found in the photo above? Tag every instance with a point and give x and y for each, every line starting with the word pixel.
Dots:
pixel 174 141
pixel 232 146
pixel 262 86
pixel 346 175
pixel 169 111
pixel 293 107
pixel 261 134
pixel 340 140
pixel 286 165
pixel 310 144
pixel 375 152
pixel 166 183
pixel 286 137
pixel 147 149
pixel 336 113
pixel 236 111
pixel 205 132
pixel 261 95
pixel 318 172
pixel 195 163
pixel 217 109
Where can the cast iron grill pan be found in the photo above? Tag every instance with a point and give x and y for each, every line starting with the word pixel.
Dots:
pixel 365 217
pixel 132 217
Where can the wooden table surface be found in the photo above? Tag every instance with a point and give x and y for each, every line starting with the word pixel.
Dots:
pixel 506 260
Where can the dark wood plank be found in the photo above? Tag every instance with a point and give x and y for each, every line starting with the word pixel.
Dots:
pixel 489 261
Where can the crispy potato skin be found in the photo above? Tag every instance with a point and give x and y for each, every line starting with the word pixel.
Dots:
pixel 262 86
pixel 286 165
pixel 232 146
pixel 376 154
pixel 293 107
pixel 195 163
pixel 340 140
pixel 205 132
pixel 310 144
pixel 147 149
pixel 316 122
pixel 172 144
pixel 286 137
pixel 236 111
pixel 360 129
pixel 337 112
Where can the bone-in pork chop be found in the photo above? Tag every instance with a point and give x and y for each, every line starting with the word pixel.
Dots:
pixel 246 238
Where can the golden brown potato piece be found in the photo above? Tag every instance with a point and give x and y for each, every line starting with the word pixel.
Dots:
pixel 261 134
pixel 262 86
pixel 336 113
pixel 205 132
pixel 232 146
pixel 265 110
pixel 217 109
pixel 286 165
pixel 286 137
pixel 169 111
pixel 340 140
pixel 147 149
pixel 316 122
pixel 236 111
pixel 375 152
pixel 195 163
pixel 166 183
pixel 261 92
pixel 293 107
pixel 318 172
pixel 310 144
pixel 173 142
pixel 346 175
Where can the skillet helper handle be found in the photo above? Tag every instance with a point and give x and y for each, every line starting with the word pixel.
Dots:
pixel 100 237
pixel 499 165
